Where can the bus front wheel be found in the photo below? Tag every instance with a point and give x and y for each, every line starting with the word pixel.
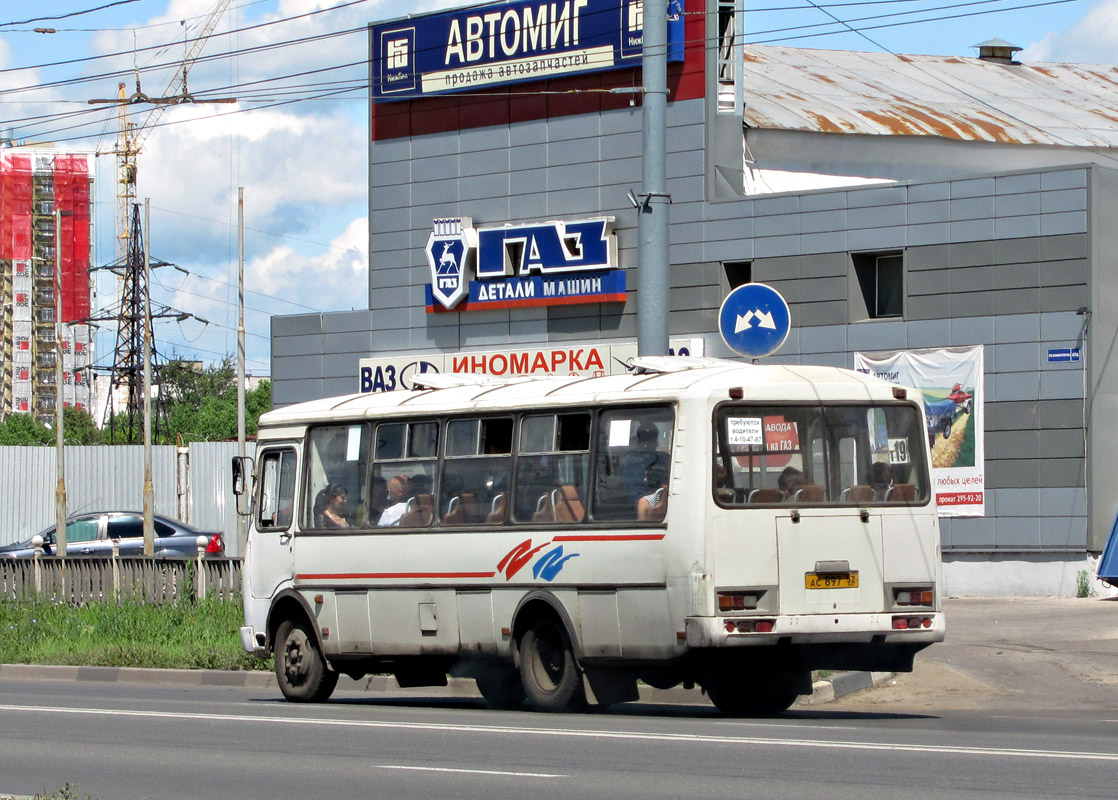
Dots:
pixel 548 670
pixel 300 668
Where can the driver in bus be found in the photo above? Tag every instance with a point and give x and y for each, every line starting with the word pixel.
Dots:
pixel 881 480
pixel 791 480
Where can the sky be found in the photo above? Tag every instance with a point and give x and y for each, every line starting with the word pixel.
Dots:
pixel 295 137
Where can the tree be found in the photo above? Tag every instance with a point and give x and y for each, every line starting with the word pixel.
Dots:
pixel 21 429
pixel 201 403
pixel 79 427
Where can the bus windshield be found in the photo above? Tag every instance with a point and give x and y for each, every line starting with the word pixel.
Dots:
pixel 819 454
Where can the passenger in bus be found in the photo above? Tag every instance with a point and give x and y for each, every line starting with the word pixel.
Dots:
pixel 791 480
pixel 635 463
pixel 379 499
pixel 881 480
pixel 397 502
pixel 653 505
pixel 334 511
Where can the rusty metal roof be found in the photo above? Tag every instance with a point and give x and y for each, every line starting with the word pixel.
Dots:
pixel 838 91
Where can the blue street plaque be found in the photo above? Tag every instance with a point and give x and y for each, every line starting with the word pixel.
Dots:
pixel 754 320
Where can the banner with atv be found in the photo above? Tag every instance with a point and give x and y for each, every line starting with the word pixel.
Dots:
pixel 950 380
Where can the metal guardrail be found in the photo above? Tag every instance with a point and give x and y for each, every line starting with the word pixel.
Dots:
pixel 77 580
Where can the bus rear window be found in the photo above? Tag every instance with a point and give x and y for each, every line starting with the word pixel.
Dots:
pixel 804 454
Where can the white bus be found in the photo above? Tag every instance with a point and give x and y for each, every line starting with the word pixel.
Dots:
pixel 697 521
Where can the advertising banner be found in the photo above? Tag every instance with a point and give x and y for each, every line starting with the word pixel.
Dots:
pixel 392 373
pixel 510 42
pixel 950 380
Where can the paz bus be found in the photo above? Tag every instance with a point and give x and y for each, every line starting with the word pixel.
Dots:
pixel 695 521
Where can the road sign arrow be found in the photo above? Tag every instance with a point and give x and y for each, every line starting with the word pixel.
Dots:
pixel 743 322
pixel 766 320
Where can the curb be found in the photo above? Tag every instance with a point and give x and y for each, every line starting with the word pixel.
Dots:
pixel 843 683
pixel 824 691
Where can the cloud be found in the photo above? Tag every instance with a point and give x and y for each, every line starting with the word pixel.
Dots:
pixel 1092 40
pixel 335 279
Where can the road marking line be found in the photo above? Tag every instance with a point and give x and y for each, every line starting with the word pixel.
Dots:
pixel 679 738
pixel 475 771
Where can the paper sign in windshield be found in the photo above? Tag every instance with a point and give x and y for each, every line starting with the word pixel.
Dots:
pixel 745 431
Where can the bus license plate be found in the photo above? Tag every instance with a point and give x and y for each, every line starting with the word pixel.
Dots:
pixel 831 580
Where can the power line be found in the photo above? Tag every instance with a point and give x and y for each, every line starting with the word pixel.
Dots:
pixel 71 14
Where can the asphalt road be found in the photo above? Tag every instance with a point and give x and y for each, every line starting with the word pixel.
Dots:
pixel 1019 702
pixel 128 741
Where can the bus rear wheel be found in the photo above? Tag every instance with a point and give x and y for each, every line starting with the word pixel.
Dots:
pixel 300 668
pixel 735 700
pixel 548 671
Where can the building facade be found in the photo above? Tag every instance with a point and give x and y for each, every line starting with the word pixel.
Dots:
pixel 900 204
pixel 34 183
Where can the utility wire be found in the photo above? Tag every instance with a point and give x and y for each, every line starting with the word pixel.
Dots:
pixel 71 14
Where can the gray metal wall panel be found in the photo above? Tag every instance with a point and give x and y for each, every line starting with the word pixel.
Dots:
pixel 212 505
pixel 98 478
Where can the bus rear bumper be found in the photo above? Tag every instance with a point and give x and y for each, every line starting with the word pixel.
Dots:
pixel 920 628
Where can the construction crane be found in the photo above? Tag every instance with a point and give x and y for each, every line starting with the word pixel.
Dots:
pixel 127 368
pixel 131 137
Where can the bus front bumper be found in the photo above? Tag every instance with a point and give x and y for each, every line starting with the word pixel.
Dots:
pixel 251 643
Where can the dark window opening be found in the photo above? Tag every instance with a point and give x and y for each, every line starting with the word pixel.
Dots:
pixel 881 279
pixel 738 273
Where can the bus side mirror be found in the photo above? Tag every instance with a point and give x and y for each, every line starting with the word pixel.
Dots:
pixel 242 469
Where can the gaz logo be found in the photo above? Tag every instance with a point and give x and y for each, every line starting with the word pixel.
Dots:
pixel 448 249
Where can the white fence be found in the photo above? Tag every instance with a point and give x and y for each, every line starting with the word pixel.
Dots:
pixel 192 484
pixel 92 579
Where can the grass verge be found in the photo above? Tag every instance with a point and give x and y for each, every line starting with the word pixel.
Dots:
pixel 201 635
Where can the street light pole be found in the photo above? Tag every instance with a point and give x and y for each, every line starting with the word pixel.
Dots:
pixel 242 531
pixel 652 214
pixel 59 402
pixel 149 489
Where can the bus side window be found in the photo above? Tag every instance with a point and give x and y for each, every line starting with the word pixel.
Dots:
pixel 476 471
pixel 633 463
pixel 277 489
pixel 404 475
pixel 338 457
pixel 552 468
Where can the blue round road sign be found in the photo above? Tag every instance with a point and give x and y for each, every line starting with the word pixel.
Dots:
pixel 754 320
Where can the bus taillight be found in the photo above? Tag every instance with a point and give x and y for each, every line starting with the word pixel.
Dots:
pixel 911 623
pixel 914 596
pixel 749 625
pixel 736 601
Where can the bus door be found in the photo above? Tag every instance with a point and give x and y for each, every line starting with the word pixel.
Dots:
pixel 272 535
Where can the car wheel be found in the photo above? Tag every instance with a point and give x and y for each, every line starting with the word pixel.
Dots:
pixel 946 429
pixel 300 667
pixel 548 671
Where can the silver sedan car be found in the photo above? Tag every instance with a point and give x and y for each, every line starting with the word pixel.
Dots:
pixel 94 533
